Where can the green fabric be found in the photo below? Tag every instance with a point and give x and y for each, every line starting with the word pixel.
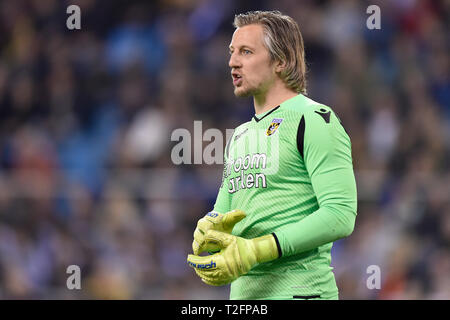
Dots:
pixel 308 201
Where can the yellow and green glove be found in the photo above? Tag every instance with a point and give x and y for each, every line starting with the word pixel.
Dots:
pixel 236 257
pixel 215 221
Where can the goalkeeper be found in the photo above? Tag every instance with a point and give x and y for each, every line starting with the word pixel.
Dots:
pixel 288 188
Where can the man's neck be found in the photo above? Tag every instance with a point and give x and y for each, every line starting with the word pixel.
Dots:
pixel 272 98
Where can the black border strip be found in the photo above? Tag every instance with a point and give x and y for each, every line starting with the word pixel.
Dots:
pixel 306 297
pixel 257 120
pixel 278 245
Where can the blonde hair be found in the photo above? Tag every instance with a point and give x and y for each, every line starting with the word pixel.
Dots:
pixel 283 39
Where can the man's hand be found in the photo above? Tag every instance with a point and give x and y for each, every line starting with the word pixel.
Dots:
pixel 236 257
pixel 214 221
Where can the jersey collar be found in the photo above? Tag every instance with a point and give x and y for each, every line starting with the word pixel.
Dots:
pixel 263 115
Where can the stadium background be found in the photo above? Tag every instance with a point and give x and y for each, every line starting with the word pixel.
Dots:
pixel 86 175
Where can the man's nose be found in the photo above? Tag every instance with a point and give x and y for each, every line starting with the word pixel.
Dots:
pixel 234 61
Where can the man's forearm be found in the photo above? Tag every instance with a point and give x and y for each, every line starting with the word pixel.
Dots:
pixel 327 224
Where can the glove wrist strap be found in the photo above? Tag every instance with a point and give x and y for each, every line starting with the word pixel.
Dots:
pixel 265 248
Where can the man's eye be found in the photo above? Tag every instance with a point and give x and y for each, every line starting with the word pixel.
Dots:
pixel 246 52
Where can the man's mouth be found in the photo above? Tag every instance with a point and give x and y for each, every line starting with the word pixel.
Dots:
pixel 237 79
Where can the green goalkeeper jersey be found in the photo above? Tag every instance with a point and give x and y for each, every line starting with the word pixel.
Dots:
pixel 290 169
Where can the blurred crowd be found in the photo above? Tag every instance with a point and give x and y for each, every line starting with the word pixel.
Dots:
pixel 86 116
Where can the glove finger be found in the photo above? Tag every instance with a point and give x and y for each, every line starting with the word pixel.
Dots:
pixel 232 218
pixel 213 216
pixel 211 277
pixel 207 270
pixel 199 245
pixel 207 274
pixel 198 235
pixel 198 241
pixel 201 263
pixel 213 281
pixel 203 225
pixel 208 282
pixel 216 239
pixel 195 247
pixel 198 249
pixel 210 247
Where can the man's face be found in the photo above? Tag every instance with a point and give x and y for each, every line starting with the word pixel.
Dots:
pixel 251 68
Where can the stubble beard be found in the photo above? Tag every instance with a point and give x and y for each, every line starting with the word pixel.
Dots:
pixel 244 93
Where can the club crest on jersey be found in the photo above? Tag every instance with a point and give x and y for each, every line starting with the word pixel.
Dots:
pixel 273 126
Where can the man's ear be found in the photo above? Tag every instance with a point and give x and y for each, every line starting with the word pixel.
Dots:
pixel 280 66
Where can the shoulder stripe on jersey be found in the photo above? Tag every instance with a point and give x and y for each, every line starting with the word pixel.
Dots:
pixel 257 120
pixel 301 135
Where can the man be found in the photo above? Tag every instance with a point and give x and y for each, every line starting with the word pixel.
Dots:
pixel 288 188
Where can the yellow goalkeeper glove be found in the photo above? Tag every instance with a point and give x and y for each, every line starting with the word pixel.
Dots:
pixel 214 221
pixel 236 257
